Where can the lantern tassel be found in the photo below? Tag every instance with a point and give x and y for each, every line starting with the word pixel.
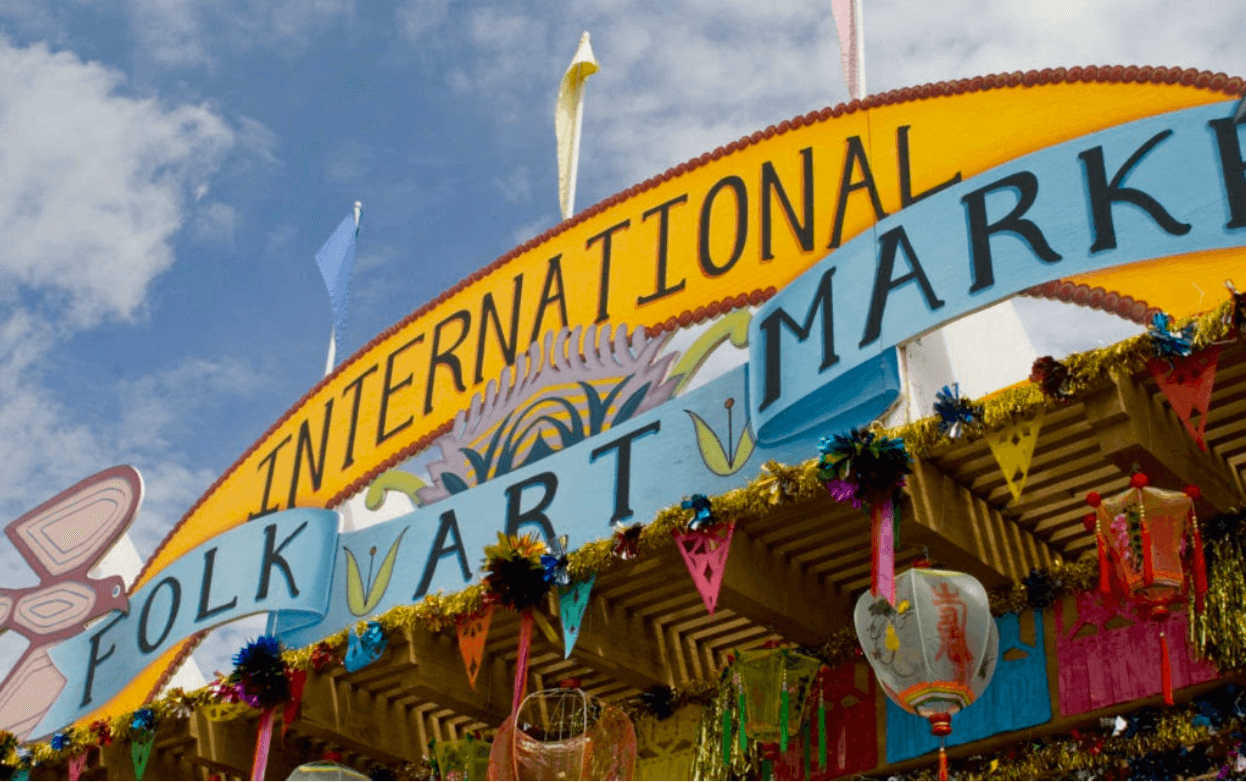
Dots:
pixel 883 577
pixel 942 761
pixel 742 717
pixel 821 732
pixel 521 665
pixel 727 735
pixel 1165 668
pixel 1105 583
pixel 783 711
pixel 1148 567
pixel 1200 565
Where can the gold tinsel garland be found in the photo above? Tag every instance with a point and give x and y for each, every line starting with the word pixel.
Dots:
pixel 1218 632
pixel 777 485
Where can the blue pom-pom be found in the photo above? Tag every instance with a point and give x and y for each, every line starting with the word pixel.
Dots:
pixel 259 653
pixel 60 741
pixel 955 411
pixel 143 719
pixel 1165 342
pixel 703 513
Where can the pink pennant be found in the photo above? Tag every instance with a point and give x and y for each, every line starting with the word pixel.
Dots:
pixel 263 740
pixel 705 553
pixel 883 576
pixel 1187 382
pixel 76 764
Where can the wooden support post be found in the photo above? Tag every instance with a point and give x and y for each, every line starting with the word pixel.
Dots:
pixel 964 532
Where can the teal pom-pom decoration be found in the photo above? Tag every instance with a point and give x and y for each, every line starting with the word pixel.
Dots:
pixel 702 513
pixel 875 465
pixel 143 719
pixel 1165 342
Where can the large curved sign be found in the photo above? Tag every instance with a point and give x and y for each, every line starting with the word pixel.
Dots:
pixel 819 246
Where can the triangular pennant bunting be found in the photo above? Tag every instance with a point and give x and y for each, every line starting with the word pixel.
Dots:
pixel 24 773
pixel 705 552
pixel 76 764
pixel 1014 450
pixel 472 635
pixel 140 751
pixel 1187 382
pixel 572 600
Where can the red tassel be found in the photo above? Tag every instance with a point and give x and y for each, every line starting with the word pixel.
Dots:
pixel 1165 669
pixel 1200 566
pixel 1148 570
pixel 1105 584
pixel 942 763
pixel 883 571
pixel 521 664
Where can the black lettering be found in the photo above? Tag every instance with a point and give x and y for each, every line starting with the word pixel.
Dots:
pixel 907 198
pixel 884 284
pixel 449 526
pixel 1234 169
pixel 447 357
pixel 356 384
pixel 772 337
pixel 802 229
pixel 1103 194
pixel 664 232
pixel 515 518
pixel 1026 185
pixel 387 390
pixel 606 238
pixel 205 590
pixel 271 458
pixel 856 157
pixel 175 590
pixel 623 468
pixel 553 274
pixel 304 445
pixel 96 659
pixel 272 556
pixel 488 313
pixel 741 225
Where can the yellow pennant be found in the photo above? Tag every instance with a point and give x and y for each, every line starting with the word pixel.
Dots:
pixel 1014 450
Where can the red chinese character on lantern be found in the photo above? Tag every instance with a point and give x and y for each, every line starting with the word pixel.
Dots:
pixel 952 642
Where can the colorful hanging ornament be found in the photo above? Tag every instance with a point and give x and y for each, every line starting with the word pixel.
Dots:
pixel 875 466
pixel 76 765
pixel 555 563
pixel 103 733
pixel 1166 343
pixel 1052 378
pixel 264 683
pixel 572 602
pixel 775 685
pixel 1013 449
pixel 516 579
pixel 627 540
pixel 702 512
pixel 705 551
pixel 365 649
pixel 955 412
pixel 322 656
pixel 934 652
pixel 142 736
pixel 1142 538
pixel 1235 315
pixel 1187 383
pixel 61 741
pixel 472 632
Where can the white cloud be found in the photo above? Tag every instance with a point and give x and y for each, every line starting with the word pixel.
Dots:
pixel 95 182
pixel 215 221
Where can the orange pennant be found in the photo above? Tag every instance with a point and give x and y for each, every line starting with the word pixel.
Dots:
pixel 1187 382
pixel 705 552
pixel 472 634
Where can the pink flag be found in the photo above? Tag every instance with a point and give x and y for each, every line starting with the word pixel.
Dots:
pixel 847 15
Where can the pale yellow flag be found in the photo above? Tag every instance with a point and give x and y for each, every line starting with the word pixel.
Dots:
pixel 1014 450
pixel 567 114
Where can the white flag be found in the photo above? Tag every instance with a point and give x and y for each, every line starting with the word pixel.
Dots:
pixel 848 22
pixel 567 122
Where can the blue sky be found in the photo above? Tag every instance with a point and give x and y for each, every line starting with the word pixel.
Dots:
pixel 168 169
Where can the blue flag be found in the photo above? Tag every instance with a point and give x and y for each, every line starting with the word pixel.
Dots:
pixel 336 259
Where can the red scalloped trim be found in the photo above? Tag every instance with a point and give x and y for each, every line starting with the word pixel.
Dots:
pixel 1096 298
pixel 1189 77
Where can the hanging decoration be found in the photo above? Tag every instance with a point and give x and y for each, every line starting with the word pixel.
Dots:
pixel 1141 536
pixel 366 648
pixel 76 764
pixel 516 578
pixel 298 680
pixel 472 632
pixel 1235 313
pixel 772 690
pixel 555 563
pixel 956 413
pixel 1013 449
pixel 261 676
pixel 934 652
pixel 564 734
pixel 627 540
pixel 142 736
pixel 705 551
pixel 572 602
pixel 1166 343
pixel 702 511
pixel 874 467
pixel 1187 383
pixel 322 656
pixel 1052 378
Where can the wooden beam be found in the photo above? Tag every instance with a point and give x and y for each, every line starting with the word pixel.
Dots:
pixel 622 645
pixel 964 532
pixel 1135 431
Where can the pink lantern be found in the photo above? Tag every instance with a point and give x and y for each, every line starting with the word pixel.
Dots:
pixel 1142 539
pixel 934 651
